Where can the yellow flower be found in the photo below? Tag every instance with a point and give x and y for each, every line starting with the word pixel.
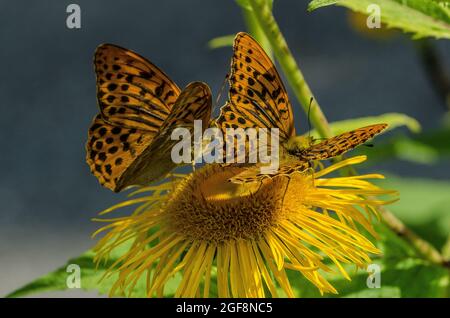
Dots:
pixel 244 237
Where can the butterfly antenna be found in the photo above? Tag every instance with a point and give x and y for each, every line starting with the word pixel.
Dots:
pixel 309 118
pixel 221 91
pixel 286 189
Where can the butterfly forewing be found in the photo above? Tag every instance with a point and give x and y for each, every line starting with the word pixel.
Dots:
pixel 131 91
pixel 257 96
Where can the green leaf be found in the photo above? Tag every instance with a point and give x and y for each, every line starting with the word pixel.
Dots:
pixel 91 278
pixel 415 151
pixel 404 148
pixel 422 18
pixel 394 120
pixel 221 41
pixel 56 280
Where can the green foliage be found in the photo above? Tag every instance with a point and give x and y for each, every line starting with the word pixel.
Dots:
pixel 422 18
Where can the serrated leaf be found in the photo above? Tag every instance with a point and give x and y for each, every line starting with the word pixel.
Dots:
pixel 422 18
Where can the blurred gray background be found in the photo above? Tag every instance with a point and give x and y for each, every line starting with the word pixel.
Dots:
pixel 47 100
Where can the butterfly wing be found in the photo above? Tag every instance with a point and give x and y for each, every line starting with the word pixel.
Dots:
pixel 112 149
pixel 131 91
pixel 257 96
pixel 194 103
pixel 340 144
pixel 120 157
pixel 137 112
pixel 155 162
pixel 254 174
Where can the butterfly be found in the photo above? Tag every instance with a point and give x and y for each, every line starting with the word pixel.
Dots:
pixel 129 140
pixel 258 99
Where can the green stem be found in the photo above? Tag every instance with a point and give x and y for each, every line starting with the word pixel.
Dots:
pixel 253 27
pixel 263 15
pixel 294 76
pixel 422 246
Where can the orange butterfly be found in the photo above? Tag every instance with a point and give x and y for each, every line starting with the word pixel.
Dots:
pixel 129 140
pixel 258 99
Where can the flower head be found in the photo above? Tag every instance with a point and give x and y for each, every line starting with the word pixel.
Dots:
pixel 245 237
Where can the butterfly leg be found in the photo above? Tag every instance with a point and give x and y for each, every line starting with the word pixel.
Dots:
pixel 286 188
pixel 172 181
pixel 312 168
pixel 260 185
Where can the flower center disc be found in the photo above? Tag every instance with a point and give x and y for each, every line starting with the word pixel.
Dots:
pixel 206 206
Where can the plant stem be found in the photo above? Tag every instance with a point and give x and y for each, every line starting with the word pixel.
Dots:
pixel 422 246
pixel 253 26
pixel 269 26
pixel 294 76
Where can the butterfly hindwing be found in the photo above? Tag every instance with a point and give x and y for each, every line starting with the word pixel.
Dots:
pixel 155 162
pixel 194 103
pixel 111 150
pixel 340 144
